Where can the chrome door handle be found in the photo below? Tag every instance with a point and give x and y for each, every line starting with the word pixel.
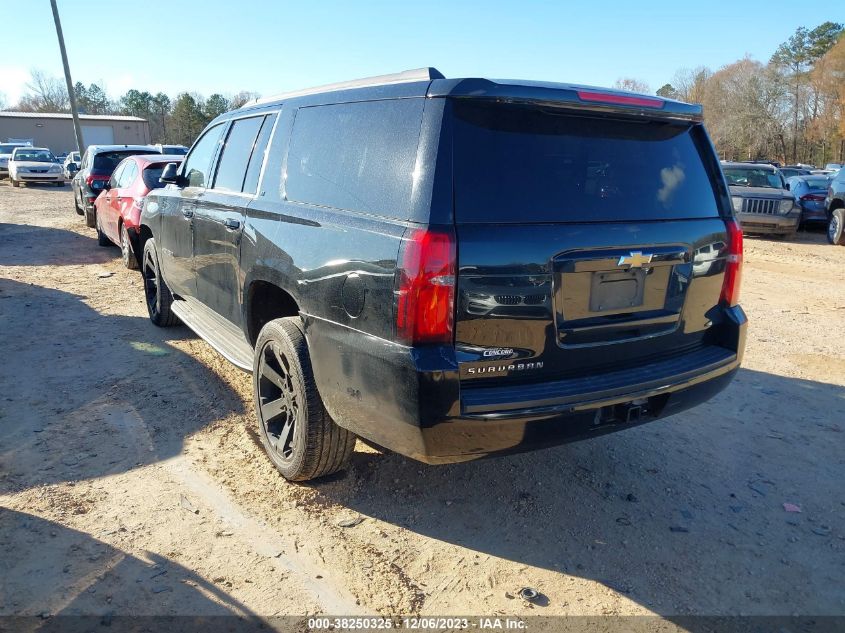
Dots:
pixel 232 225
pixel 188 213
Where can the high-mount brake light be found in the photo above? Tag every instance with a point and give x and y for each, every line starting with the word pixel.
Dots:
pixel 425 286
pixel 617 99
pixel 733 264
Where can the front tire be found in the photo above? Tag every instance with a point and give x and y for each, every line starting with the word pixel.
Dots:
pixel 299 436
pixel 156 292
pixel 836 228
pixel 15 183
pixel 129 259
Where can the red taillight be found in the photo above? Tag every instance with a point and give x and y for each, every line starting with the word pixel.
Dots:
pixel 90 180
pixel 617 99
pixel 733 264
pixel 812 197
pixel 425 286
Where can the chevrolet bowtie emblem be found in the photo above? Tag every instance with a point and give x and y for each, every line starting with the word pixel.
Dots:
pixel 635 260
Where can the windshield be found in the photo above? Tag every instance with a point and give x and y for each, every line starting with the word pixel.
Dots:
pixel 105 162
pixel 752 177
pixel 531 164
pixel 33 155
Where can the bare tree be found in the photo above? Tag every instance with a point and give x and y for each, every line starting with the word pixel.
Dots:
pixel 631 85
pixel 46 94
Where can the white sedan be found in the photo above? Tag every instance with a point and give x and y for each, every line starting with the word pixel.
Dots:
pixel 34 164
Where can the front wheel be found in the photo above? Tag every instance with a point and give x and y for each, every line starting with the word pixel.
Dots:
pixel 301 439
pixel 156 292
pixel 15 183
pixel 836 227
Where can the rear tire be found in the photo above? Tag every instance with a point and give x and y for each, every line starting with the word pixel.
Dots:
pixel 299 436
pixel 76 206
pixel 90 218
pixel 129 259
pixel 836 228
pixel 14 182
pixel 102 238
pixel 156 292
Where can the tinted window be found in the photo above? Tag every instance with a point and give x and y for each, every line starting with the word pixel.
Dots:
pixel 529 164
pixel 151 175
pixel 357 156
pixel 257 158
pixel 105 162
pixel 198 163
pixel 231 168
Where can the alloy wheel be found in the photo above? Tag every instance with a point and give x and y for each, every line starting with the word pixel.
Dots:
pixel 279 401
pixel 833 227
pixel 150 272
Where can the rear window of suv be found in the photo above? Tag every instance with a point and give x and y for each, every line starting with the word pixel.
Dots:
pixel 105 162
pixel 518 164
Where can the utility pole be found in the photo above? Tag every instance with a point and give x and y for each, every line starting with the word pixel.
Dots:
pixel 70 93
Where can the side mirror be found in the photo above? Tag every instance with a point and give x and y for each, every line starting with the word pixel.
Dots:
pixel 72 168
pixel 107 185
pixel 170 174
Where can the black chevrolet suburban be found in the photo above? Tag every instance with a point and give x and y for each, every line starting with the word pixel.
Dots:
pixel 452 268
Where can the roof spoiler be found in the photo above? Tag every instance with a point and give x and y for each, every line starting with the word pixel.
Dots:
pixel 568 95
pixel 406 76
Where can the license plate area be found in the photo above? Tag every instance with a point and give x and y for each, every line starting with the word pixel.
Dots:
pixel 598 301
pixel 617 290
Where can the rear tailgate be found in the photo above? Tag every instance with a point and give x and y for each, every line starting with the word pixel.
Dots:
pixel 588 243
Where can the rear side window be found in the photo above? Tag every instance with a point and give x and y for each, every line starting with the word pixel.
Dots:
pixel 253 172
pixel 355 156
pixel 530 164
pixel 231 169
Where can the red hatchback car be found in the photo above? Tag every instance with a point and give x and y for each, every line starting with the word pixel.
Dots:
pixel 119 204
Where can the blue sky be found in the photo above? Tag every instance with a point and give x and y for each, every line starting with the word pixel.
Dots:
pixel 271 46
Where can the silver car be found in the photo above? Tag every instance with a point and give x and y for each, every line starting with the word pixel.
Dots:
pixel 761 201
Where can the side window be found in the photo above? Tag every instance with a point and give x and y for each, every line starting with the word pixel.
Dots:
pixel 114 181
pixel 231 168
pixel 130 170
pixel 198 163
pixel 257 159
pixel 356 156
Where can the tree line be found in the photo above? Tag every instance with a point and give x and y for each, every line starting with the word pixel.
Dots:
pixel 177 120
pixel 791 108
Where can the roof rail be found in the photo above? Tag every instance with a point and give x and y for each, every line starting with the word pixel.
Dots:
pixel 406 76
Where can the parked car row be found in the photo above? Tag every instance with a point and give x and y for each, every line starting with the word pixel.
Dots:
pixel 767 202
pixel 92 174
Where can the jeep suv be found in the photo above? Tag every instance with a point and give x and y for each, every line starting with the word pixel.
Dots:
pixel 761 199
pixel 98 163
pixel 452 268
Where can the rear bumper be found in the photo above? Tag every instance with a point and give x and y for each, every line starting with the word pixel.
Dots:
pixel 411 400
pixel 760 223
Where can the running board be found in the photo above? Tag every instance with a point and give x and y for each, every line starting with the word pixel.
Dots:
pixel 216 331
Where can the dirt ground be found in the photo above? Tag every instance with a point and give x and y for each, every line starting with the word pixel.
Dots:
pixel 132 482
